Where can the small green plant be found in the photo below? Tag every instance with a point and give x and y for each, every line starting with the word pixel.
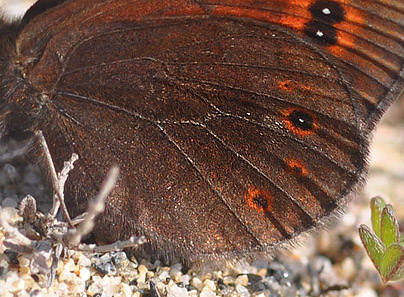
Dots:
pixel 384 244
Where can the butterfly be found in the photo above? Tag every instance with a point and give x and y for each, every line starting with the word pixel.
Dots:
pixel 238 126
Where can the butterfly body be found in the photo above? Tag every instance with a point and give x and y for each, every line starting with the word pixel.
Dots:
pixel 238 125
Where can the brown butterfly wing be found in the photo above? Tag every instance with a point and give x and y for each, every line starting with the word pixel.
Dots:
pixel 237 126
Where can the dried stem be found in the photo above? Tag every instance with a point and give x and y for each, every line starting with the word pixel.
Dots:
pixel 58 181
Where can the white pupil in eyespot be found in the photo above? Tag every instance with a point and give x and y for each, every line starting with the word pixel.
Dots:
pixel 326 11
pixel 319 33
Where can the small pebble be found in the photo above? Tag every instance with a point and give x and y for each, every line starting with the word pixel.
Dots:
pixel 176 291
pixel 197 283
pixel 242 280
pixel 229 280
pixel 84 274
pixel 346 269
pixel 83 261
pixel 207 293
pixel 164 275
pixel 24 270
pixel 105 265
pixel 185 279
pixel 262 272
pixel 366 292
pixel 125 290
pixel 142 274
pixel 69 265
pixel 18 285
pixel 210 285
pixel 142 269
pixel 242 291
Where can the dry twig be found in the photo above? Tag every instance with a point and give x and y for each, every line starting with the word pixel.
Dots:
pixel 58 180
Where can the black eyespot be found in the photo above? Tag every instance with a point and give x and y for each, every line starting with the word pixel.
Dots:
pixel 301 120
pixel 261 202
pixel 323 33
pixel 327 11
pixel 298 170
pixel 324 15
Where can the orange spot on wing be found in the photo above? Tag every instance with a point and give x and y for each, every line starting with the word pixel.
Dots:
pixel 285 85
pixel 296 166
pixel 289 86
pixel 253 195
pixel 291 127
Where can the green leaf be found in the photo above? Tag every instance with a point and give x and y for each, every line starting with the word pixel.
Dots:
pixel 392 264
pixel 376 207
pixel 389 226
pixel 373 245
